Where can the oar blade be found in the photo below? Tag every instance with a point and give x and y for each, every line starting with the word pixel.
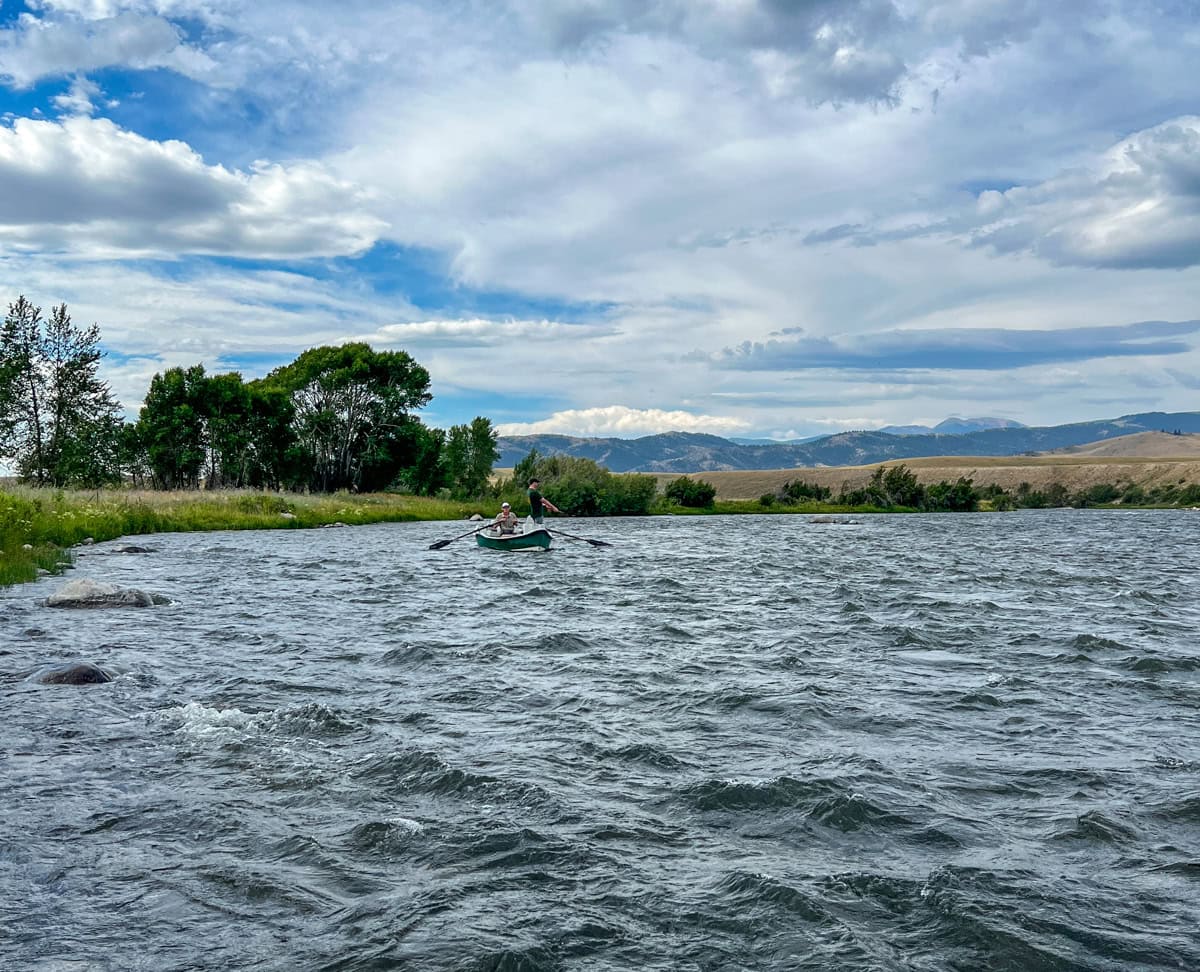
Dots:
pixel 571 536
pixel 438 544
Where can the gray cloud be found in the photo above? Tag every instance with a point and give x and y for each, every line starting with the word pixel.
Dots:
pixel 984 349
pixel 985 25
pixel 1187 379
pixel 820 50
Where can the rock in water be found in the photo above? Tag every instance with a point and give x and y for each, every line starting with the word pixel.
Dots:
pixel 78 673
pixel 86 593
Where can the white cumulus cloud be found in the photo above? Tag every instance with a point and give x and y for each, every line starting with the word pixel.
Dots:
pixel 84 185
pixel 624 422
pixel 1136 206
pixel 37 48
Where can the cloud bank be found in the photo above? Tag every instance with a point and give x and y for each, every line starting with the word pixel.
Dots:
pixel 632 202
pixel 620 421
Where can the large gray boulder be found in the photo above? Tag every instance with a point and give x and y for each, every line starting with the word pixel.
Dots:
pixel 75 673
pixel 87 593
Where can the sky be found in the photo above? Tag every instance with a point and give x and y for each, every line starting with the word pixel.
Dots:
pixel 751 218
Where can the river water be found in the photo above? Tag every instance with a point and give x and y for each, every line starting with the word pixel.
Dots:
pixel 918 742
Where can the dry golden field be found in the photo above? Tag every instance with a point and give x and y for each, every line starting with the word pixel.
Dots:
pixel 1146 458
pixel 1007 471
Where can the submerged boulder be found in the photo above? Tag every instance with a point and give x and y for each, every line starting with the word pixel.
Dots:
pixel 76 673
pixel 86 593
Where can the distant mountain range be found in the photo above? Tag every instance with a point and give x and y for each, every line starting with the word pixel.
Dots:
pixel 685 452
pixel 953 426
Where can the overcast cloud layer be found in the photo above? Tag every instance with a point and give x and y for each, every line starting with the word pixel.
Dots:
pixel 601 217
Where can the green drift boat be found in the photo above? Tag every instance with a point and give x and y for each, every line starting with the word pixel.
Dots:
pixel 532 537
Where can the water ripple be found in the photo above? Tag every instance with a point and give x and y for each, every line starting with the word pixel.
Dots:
pixel 942 743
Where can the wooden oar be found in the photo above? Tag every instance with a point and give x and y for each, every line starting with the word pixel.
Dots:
pixel 438 544
pixel 594 543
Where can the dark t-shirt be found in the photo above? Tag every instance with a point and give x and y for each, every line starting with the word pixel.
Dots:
pixel 535 503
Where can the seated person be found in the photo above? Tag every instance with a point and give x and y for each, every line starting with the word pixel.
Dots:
pixel 506 520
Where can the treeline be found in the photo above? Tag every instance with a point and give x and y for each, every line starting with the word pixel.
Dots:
pixel 345 418
pixel 336 418
pixel 896 487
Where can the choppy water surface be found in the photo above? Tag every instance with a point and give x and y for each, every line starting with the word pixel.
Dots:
pixel 911 742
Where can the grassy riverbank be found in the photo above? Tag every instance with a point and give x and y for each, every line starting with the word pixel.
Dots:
pixel 38 525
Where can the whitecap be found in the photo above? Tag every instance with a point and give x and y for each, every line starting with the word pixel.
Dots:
pixel 199 719
pixel 406 824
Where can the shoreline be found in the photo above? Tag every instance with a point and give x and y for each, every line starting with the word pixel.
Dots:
pixel 39 526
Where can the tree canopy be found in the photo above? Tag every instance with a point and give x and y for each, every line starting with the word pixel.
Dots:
pixel 352 410
pixel 59 422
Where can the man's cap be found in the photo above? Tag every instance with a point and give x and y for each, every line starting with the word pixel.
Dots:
pixel 504 506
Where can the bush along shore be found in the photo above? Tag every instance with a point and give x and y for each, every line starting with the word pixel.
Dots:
pixel 896 489
pixel 38 526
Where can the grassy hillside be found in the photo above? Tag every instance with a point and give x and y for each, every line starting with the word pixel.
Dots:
pixel 1143 445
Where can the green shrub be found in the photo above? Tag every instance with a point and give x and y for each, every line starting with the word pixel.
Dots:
pixel 889 486
pixel 1096 495
pixel 581 487
pixel 958 496
pixel 628 494
pixel 796 489
pixel 1189 495
pixel 694 493
pixel 1134 495
pixel 1002 502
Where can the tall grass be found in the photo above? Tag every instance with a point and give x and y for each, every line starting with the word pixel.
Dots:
pixel 38 526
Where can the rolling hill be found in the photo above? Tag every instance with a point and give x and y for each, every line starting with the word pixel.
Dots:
pixel 688 452
pixel 1141 445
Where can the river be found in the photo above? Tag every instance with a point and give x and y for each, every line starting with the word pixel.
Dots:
pixel 910 742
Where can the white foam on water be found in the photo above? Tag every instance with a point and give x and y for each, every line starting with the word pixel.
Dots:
pixel 407 824
pixel 198 719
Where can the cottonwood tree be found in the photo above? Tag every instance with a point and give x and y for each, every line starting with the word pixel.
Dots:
pixel 197 427
pixel 470 453
pixel 59 422
pixel 171 427
pixel 352 409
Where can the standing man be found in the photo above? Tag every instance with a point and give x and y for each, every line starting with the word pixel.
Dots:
pixel 537 501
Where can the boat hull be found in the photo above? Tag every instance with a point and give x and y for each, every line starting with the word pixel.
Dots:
pixel 536 539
